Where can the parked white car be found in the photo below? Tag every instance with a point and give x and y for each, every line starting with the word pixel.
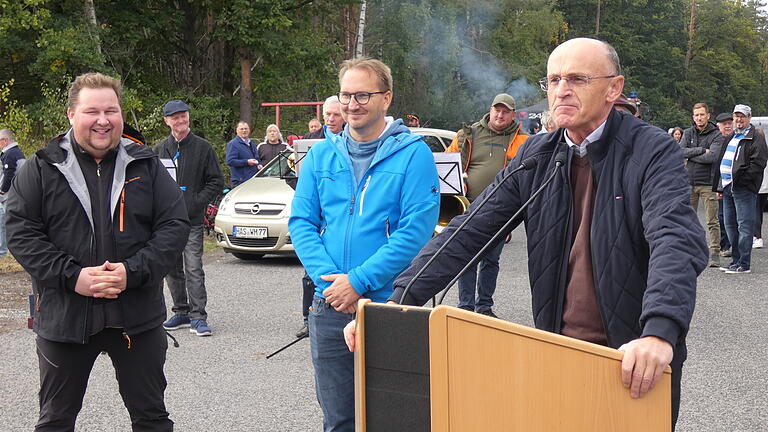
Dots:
pixel 253 218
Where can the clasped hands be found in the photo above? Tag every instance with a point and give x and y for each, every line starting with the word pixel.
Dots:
pixel 340 295
pixel 105 281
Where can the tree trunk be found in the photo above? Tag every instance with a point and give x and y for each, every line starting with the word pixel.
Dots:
pixel 93 25
pixel 360 31
pixel 691 34
pixel 246 87
pixel 597 19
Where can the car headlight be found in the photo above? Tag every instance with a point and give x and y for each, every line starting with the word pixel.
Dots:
pixel 226 205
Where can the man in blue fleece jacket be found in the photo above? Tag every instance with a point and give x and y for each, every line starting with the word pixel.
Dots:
pixel 366 202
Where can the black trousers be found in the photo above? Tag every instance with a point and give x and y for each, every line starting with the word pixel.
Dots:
pixel 308 292
pixel 138 362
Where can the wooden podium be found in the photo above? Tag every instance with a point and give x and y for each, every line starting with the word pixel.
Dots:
pixel 447 369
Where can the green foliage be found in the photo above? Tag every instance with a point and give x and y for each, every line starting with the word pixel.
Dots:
pixel 66 51
pixel 16 119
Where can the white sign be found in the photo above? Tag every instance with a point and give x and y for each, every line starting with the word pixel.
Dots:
pixel 450 173
pixel 300 149
pixel 170 166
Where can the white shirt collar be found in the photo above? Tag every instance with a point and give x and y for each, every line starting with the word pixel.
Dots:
pixel 581 149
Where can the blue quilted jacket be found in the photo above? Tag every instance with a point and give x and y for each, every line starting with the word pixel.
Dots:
pixel 648 246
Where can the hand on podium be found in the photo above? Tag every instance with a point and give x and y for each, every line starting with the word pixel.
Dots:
pixel 643 364
pixel 349 334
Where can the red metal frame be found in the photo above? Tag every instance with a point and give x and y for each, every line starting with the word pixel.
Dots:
pixel 277 106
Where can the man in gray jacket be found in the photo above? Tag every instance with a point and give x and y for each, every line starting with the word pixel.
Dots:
pixel 701 146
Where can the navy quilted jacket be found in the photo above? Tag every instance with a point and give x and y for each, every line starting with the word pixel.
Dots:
pixel 647 244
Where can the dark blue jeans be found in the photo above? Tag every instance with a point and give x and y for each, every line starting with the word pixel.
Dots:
pixel 334 366
pixel 739 212
pixel 725 244
pixel 486 285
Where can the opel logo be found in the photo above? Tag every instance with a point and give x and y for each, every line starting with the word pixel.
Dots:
pixel 255 209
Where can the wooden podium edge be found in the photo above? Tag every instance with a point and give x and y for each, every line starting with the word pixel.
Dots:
pixel 360 419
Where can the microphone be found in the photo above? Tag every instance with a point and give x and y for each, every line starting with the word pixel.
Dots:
pixel 527 164
pixel 560 160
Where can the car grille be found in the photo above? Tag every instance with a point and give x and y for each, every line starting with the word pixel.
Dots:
pixel 246 242
pixel 261 209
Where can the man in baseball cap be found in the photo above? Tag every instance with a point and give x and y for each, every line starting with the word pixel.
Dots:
pixel 486 146
pixel 200 180
pixel 741 164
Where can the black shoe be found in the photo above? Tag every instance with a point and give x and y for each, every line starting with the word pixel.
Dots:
pixel 487 312
pixel 467 308
pixel 303 331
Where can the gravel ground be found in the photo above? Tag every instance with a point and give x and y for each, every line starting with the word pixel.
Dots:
pixel 225 383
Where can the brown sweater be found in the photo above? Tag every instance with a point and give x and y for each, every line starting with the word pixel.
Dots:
pixel 581 314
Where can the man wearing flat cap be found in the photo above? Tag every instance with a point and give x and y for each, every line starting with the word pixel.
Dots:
pixel 200 180
pixel 486 146
pixel 741 164
pixel 725 124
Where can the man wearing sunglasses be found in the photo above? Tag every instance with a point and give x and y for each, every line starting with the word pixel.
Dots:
pixel 366 201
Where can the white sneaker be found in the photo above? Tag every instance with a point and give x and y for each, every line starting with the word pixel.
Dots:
pixel 757 243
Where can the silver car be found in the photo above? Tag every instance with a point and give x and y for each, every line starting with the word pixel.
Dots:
pixel 252 219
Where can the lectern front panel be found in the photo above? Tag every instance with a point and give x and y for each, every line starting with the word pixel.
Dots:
pixel 396 371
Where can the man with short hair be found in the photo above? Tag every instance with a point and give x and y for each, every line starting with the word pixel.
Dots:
pixel 614 247
pixel 199 177
pixel 367 200
pixel 11 158
pixel 701 145
pixel 742 160
pixel 314 125
pixel 242 156
pixel 334 123
pixel 97 222
pixel 486 146
pixel 725 125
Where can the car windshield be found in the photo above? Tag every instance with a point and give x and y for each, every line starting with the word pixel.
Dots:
pixel 281 166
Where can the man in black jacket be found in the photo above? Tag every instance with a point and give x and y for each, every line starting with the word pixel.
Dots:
pixel 199 177
pixel 97 222
pixel 741 162
pixel 701 146
pixel 614 247
pixel 11 158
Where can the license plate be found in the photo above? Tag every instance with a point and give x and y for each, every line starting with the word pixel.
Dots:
pixel 250 232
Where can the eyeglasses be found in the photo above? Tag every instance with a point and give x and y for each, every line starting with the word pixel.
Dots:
pixel 361 98
pixel 574 80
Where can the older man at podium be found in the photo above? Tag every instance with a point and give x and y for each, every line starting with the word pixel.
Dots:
pixel 614 246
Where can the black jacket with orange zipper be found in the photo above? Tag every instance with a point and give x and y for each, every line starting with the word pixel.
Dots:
pixel 50 229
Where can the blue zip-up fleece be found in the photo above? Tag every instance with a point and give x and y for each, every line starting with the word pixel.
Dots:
pixel 369 230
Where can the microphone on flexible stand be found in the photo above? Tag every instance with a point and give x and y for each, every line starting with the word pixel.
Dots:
pixel 526 165
pixel 560 160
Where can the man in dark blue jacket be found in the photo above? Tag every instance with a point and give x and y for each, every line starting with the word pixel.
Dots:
pixel 11 158
pixel 242 157
pixel 614 247
pixel 97 222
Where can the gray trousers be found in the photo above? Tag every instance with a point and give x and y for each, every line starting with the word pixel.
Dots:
pixel 186 281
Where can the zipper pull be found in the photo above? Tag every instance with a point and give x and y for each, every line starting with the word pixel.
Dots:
pixel 98 169
pixel 352 205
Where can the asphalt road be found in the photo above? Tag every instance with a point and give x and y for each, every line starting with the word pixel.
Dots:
pixel 225 383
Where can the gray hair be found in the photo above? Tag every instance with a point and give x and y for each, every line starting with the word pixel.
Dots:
pixel 613 57
pixel 328 101
pixel 7 134
pixel 279 134
pixel 546 117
